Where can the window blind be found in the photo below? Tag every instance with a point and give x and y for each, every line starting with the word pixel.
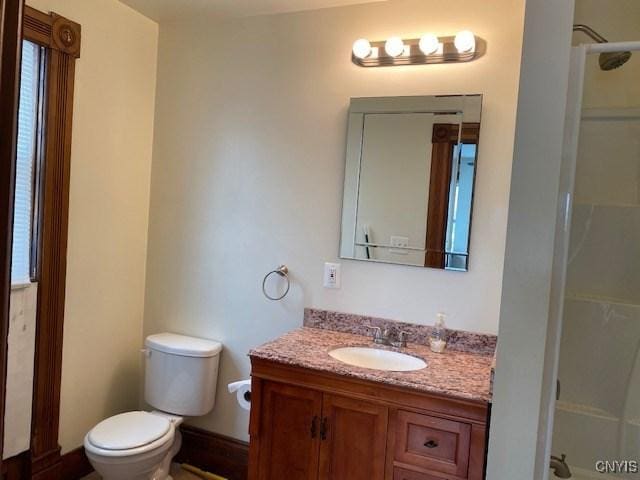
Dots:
pixel 25 163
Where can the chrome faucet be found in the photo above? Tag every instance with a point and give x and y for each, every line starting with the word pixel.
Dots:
pixel 389 336
pixel 560 467
pixel 401 339
pixel 381 337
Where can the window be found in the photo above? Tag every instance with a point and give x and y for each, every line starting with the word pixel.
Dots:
pixel 27 164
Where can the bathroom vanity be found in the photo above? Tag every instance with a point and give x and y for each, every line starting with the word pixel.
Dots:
pixel 313 416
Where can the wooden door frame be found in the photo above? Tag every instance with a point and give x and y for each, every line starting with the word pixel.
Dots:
pixel 10 50
pixel 61 39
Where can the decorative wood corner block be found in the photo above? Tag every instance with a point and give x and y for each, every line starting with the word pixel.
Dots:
pixel 66 35
pixel 52 31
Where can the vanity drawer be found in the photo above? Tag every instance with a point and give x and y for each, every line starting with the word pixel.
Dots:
pixel 432 443
pixel 402 474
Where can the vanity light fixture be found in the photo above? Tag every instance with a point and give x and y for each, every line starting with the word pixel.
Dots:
pixel 394 47
pixel 361 48
pixel 465 41
pixel 428 49
pixel 429 44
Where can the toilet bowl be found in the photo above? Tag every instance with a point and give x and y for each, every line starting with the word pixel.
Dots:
pixel 180 379
pixel 134 446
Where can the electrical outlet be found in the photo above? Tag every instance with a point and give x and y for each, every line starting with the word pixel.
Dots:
pixel 332 275
pixel 399 245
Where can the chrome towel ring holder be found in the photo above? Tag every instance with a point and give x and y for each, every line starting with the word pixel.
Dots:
pixel 283 272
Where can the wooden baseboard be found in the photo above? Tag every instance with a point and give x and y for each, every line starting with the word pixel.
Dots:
pixel 46 465
pixel 16 468
pixel 75 464
pixel 52 472
pixel 71 466
pixel 203 449
pixel 214 453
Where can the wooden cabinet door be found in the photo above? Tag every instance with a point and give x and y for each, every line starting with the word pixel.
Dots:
pixel 290 433
pixel 353 439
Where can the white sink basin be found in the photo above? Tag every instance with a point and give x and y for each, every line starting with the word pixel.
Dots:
pixel 377 359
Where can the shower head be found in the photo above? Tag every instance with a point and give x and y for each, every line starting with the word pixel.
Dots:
pixel 608 60
pixel 612 60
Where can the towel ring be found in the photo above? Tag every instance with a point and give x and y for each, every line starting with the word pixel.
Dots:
pixel 283 271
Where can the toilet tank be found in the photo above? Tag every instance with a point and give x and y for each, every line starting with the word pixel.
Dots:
pixel 181 373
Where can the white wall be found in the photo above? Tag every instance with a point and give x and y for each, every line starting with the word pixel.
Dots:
pixel 108 218
pixel 248 169
pixel 523 381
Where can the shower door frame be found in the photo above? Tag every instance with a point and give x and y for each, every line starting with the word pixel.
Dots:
pixel 573 122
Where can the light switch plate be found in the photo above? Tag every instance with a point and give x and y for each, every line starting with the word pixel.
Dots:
pixel 332 277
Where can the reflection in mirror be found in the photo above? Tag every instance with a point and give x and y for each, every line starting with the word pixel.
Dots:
pixel 409 178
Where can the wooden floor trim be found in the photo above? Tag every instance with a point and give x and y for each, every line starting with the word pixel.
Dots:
pixel 16 468
pixel 214 453
pixel 209 451
pixel 75 465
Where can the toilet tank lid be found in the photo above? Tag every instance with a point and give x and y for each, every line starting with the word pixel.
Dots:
pixel 183 345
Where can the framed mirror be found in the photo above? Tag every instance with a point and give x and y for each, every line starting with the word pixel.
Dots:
pixel 409 180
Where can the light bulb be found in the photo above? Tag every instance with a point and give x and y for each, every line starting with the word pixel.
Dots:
pixel 465 41
pixel 429 44
pixel 394 47
pixel 361 48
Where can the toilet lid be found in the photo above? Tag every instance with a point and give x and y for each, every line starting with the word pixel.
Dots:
pixel 129 430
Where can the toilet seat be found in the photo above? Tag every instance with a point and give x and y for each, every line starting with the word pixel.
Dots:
pixel 130 433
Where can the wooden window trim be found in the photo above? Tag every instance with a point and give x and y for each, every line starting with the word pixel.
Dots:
pixel 61 39
pixel 444 140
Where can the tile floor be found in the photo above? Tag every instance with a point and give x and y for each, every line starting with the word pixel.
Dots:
pixel 176 472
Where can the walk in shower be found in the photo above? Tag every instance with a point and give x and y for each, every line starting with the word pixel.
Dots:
pixel 597 414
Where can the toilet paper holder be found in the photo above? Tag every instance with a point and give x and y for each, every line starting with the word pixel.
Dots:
pixel 242 389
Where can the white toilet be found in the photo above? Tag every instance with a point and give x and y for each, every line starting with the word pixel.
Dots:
pixel 180 380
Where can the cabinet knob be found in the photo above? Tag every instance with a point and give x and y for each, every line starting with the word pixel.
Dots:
pixel 431 444
pixel 314 426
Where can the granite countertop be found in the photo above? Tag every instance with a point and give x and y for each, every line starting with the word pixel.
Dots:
pixel 456 374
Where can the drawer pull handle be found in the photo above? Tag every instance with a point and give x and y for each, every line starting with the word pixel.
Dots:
pixel 314 427
pixel 431 444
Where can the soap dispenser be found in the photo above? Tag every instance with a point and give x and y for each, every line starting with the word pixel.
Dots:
pixel 438 338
